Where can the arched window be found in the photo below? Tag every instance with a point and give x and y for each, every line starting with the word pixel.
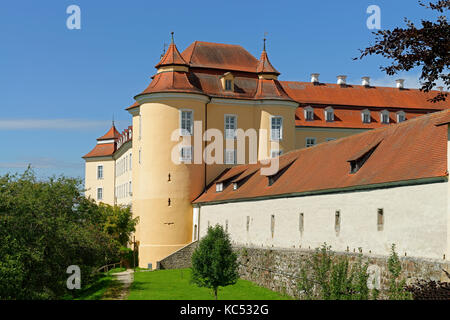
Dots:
pixel 329 114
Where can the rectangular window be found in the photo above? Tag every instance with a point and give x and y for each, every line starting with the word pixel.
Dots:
pixel 140 156
pixel 309 114
pixel 230 156
pixel 227 85
pixel 99 172
pixel 385 117
pixel 272 224
pixel 337 222
pixel 366 117
pixel 219 187
pixel 329 115
pixel 99 193
pixel 276 128
pixel 230 126
pixel 186 154
pixel 301 222
pixel 380 220
pixel 248 223
pixel 130 162
pixel 131 190
pixel 186 122
pixel 310 142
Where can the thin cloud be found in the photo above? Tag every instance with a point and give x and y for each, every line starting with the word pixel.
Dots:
pixel 53 124
pixel 41 163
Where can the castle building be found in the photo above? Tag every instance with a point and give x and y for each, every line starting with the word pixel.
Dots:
pixel 224 87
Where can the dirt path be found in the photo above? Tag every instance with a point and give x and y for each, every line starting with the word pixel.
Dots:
pixel 121 286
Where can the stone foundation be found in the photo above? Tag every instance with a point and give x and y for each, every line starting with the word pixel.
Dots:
pixel 278 269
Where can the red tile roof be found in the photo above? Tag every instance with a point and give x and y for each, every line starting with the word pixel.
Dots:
pixel 111 134
pixel 410 150
pixel 101 150
pixel 219 56
pixel 264 65
pixel 173 81
pixel 172 57
pixel 356 95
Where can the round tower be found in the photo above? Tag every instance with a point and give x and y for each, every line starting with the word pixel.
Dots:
pixel 167 174
pixel 277 110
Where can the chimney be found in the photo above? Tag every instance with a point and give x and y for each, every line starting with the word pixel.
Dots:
pixel 315 77
pixel 400 83
pixel 341 80
pixel 440 88
pixel 366 81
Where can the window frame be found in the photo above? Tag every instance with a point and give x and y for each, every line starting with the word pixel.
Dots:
pixel 186 160
pixel 384 113
pixel 100 177
pixel 306 142
pixel 308 109
pixel 226 154
pixel 99 192
pixel 401 114
pixel 225 117
pixel 183 133
pixel 365 113
pixel 280 136
pixel 329 111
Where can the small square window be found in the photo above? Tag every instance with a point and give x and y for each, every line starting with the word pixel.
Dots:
pixel 310 142
pixel 219 187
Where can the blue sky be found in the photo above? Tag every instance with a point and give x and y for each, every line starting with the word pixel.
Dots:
pixel 59 88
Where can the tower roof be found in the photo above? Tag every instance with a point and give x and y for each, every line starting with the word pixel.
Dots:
pixel 264 65
pixel 172 57
pixel 111 134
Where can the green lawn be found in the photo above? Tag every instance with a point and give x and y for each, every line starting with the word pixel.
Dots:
pixel 175 285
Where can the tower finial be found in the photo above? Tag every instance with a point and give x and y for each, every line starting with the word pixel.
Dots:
pixel 264 40
pixel 172 35
pixel 113 119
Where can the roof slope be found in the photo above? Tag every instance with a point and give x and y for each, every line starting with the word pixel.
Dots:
pixel 413 149
pixel 101 150
pixel 356 95
pixel 219 56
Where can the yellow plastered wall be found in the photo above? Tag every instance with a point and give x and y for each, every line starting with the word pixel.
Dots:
pixel 321 134
pixel 163 229
pixel 107 183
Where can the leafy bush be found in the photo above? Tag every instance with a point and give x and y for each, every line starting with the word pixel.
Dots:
pixel 46 226
pixel 397 287
pixel 327 277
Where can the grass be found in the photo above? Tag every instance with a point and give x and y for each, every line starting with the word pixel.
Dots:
pixel 175 285
pixel 104 287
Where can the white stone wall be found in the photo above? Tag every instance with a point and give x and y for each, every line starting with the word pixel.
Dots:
pixel 415 219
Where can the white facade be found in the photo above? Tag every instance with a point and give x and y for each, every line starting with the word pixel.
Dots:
pixel 416 218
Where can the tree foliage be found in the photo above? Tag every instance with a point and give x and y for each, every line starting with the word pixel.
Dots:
pixel 327 277
pixel 214 263
pixel 397 286
pixel 426 46
pixel 46 226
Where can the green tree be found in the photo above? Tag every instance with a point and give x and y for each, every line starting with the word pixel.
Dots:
pixel 46 226
pixel 214 263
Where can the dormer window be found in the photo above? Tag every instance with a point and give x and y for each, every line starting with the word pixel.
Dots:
pixel 329 114
pixel 228 85
pixel 235 186
pixel 401 116
pixel 358 161
pixel 384 116
pixel 365 115
pixel 219 187
pixel 309 113
pixel 227 82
